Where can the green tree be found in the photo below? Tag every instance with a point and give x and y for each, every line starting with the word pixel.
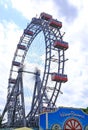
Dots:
pixel 85 110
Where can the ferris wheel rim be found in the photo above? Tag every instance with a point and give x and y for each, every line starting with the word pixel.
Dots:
pixel 40 27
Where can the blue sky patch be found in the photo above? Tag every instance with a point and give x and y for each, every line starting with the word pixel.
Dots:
pixel 10 14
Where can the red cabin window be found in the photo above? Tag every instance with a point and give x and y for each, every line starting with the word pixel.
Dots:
pixel 45 16
pixel 59 77
pixel 60 44
pixel 22 47
pixel 55 23
pixel 13 81
pixel 15 63
pixel 28 32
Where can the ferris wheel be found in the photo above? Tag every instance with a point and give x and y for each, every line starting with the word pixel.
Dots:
pixel 49 74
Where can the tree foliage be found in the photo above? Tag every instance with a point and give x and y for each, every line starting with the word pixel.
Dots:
pixel 85 110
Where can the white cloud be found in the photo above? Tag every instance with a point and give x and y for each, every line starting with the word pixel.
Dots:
pixel 31 8
pixel 10 34
pixel 76 66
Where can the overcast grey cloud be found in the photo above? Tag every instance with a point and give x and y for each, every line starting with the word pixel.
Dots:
pixel 67 10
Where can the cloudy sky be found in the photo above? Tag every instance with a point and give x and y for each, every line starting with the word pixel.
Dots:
pixel 14 16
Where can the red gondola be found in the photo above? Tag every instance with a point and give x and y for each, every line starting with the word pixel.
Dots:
pixel 61 44
pixel 59 77
pixel 56 24
pixel 28 32
pixel 15 63
pixel 13 81
pixel 45 16
pixel 22 47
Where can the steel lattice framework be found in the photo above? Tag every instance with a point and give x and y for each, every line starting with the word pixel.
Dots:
pixel 54 57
